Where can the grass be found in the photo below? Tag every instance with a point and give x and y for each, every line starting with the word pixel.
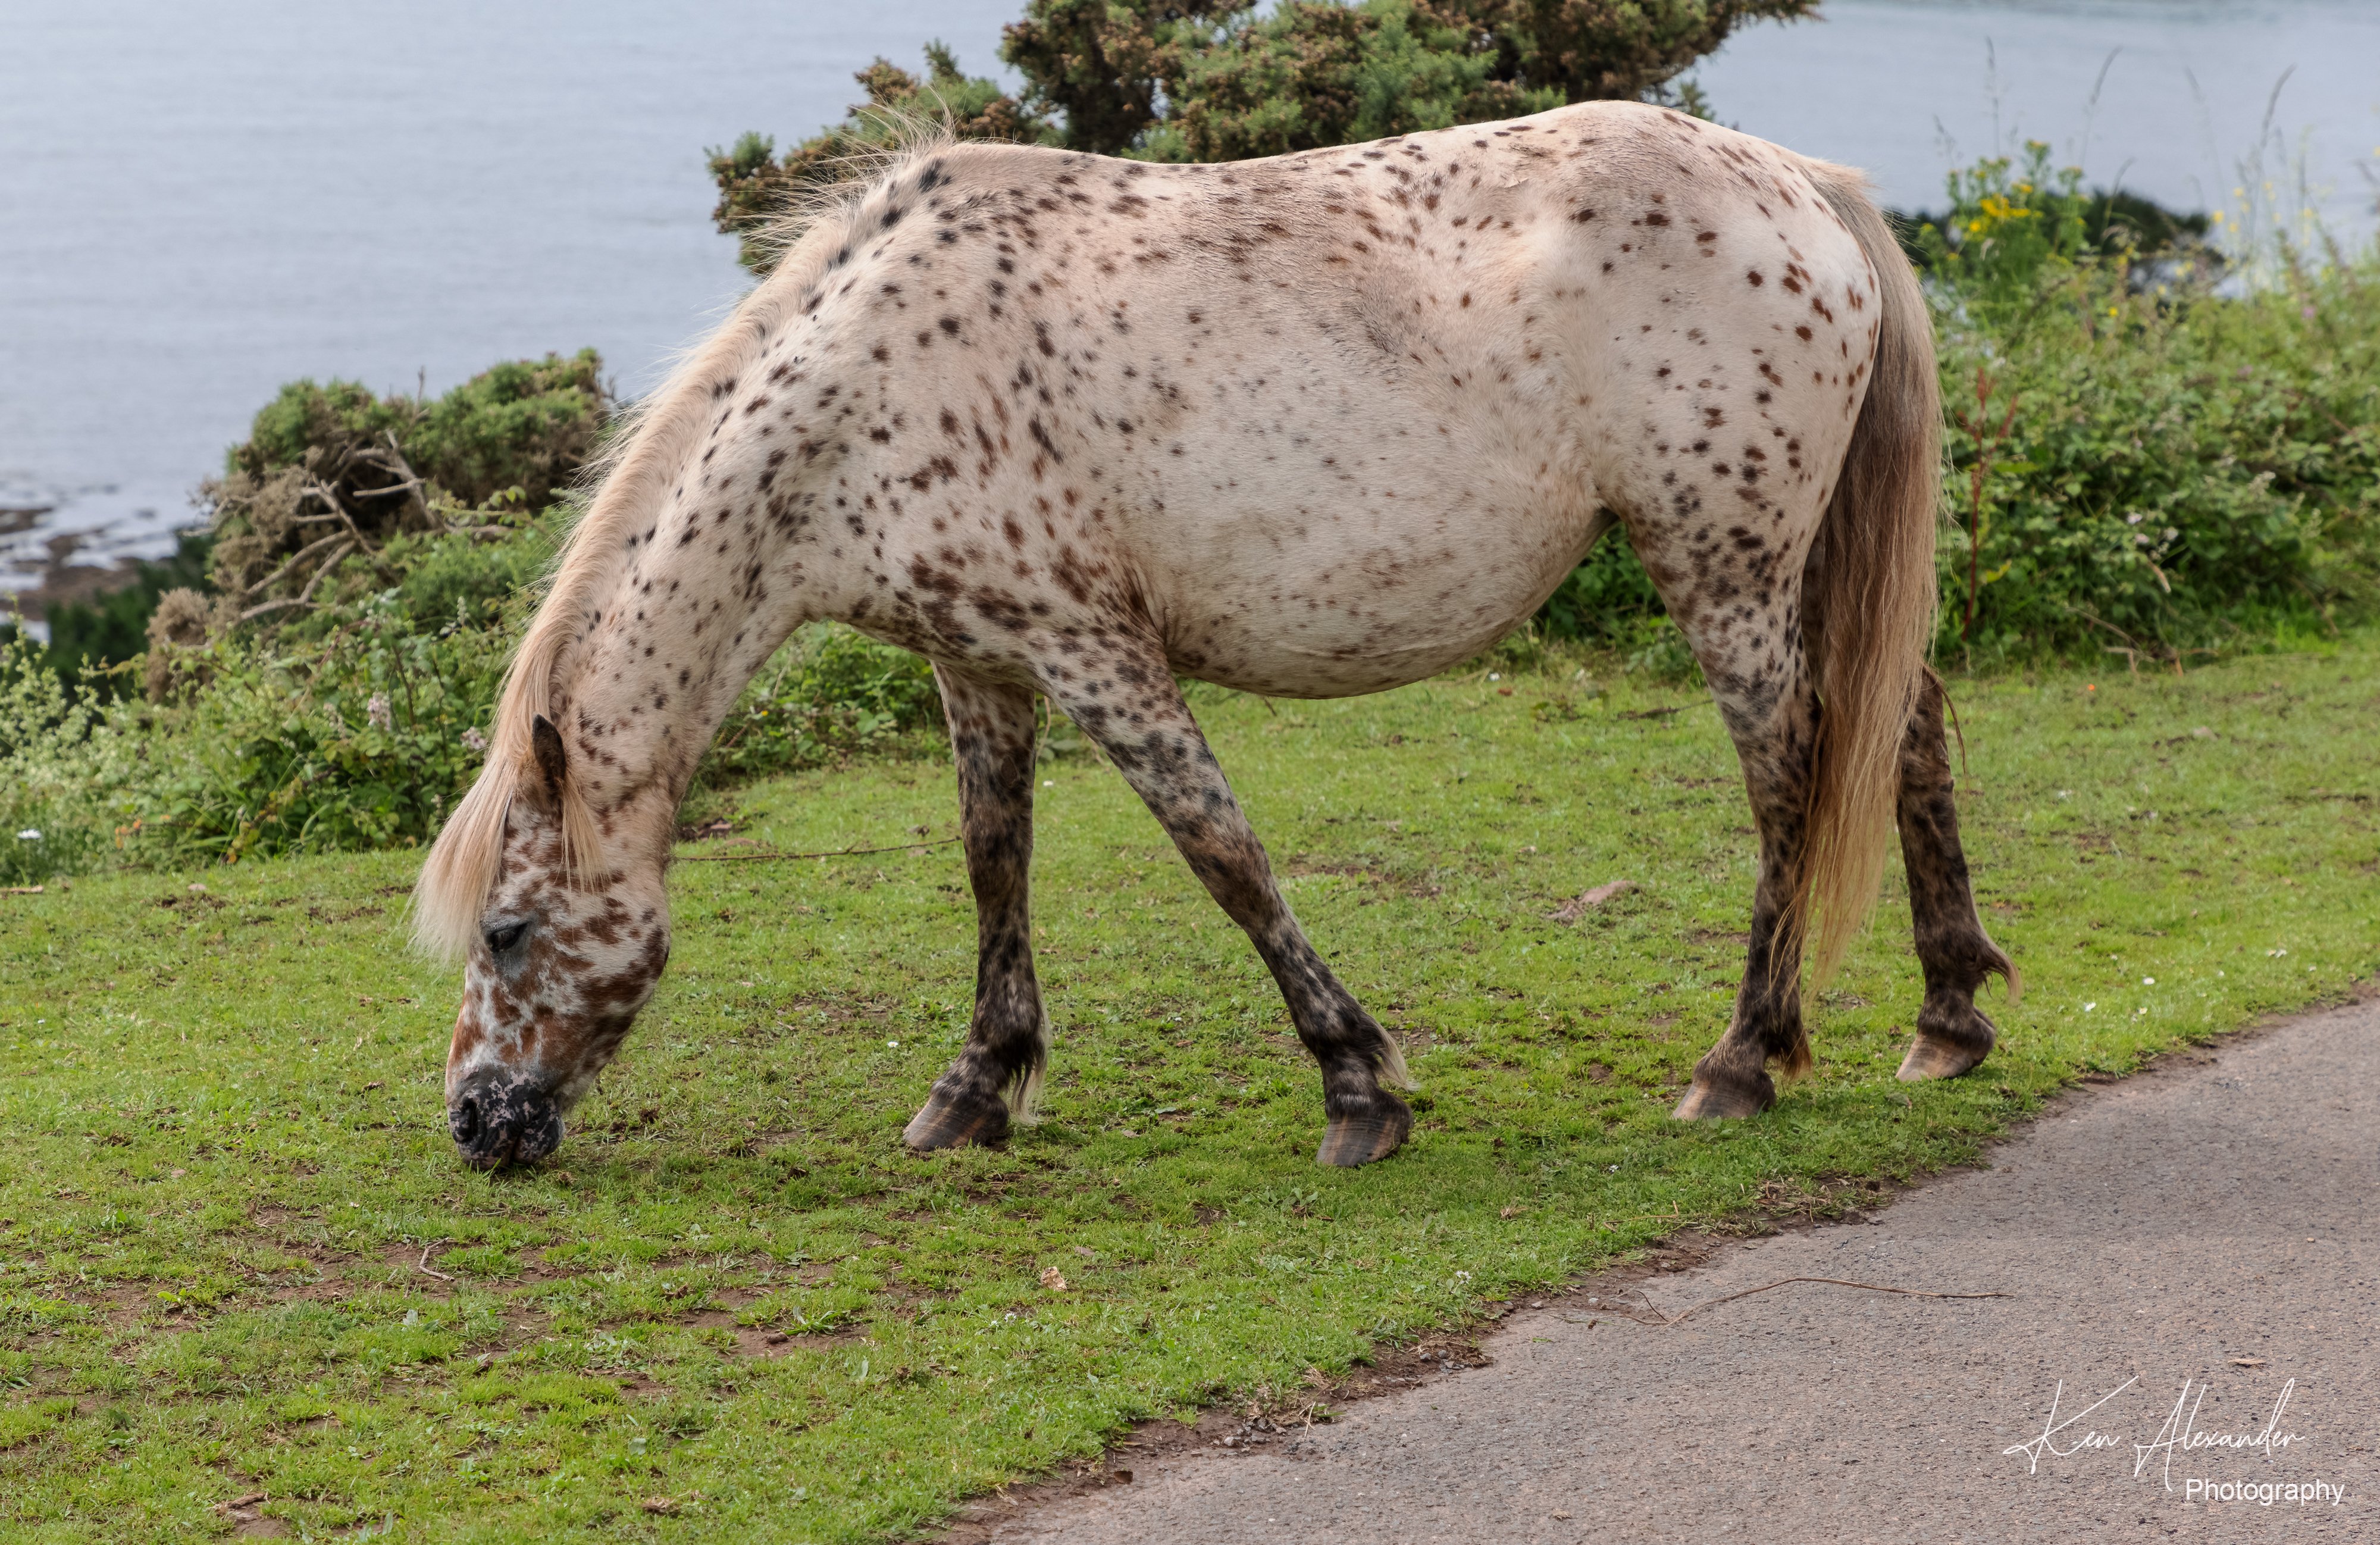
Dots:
pixel 226 1155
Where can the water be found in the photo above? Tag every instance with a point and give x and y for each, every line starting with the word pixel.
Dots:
pixel 1910 88
pixel 199 202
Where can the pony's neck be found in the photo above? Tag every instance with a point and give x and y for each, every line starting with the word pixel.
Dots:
pixel 670 623
pixel 667 643
pixel 698 557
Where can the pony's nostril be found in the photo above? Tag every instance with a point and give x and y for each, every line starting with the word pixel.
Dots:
pixel 464 1120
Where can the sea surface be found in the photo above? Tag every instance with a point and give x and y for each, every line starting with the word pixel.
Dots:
pixel 201 200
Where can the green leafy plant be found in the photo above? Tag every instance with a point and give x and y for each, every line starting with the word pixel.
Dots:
pixel 66 755
pixel 362 737
pixel 2005 223
pixel 2153 466
pixel 830 693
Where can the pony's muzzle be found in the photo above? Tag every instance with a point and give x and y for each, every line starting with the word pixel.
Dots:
pixel 498 1120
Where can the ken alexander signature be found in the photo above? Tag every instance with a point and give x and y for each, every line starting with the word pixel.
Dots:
pixel 2178 1435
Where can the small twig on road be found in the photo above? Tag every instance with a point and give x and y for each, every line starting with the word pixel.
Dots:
pixel 1831 1282
pixel 426 1269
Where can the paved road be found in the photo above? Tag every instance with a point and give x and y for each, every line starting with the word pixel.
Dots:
pixel 2154 1231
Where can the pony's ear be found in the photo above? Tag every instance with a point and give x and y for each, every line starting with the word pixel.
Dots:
pixel 545 747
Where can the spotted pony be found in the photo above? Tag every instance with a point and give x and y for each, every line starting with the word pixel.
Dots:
pixel 1311 426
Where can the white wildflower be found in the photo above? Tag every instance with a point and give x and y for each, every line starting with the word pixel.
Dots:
pixel 376 710
pixel 31 834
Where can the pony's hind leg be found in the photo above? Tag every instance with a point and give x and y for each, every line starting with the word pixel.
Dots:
pixel 1771 712
pixel 1957 954
pixel 1123 698
pixel 992 738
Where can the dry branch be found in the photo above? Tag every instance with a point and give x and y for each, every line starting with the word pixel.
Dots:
pixel 1831 1282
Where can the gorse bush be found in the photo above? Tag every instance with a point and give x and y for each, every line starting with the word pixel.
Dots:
pixel 529 423
pixel 1312 73
pixel 330 474
pixel 756 185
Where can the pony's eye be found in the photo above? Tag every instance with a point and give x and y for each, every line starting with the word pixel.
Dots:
pixel 504 938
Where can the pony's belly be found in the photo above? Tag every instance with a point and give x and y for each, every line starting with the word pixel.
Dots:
pixel 1291 619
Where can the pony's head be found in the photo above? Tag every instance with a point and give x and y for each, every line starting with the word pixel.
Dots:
pixel 563 938
pixel 547 878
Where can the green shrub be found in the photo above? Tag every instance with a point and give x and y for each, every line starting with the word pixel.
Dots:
pixel 529 423
pixel 1603 598
pixel 68 755
pixel 755 186
pixel 1116 74
pixel 1313 73
pixel 330 474
pixel 363 736
pixel 468 577
pixel 830 693
pixel 111 629
pixel 2159 472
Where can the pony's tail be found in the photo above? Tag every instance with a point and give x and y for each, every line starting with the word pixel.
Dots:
pixel 1871 595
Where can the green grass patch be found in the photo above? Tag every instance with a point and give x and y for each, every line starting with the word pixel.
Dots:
pixel 226 1152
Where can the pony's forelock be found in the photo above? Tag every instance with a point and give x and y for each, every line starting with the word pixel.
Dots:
pixel 619 488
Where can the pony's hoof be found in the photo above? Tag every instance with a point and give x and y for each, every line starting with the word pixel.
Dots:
pixel 1932 1056
pixel 1713 1098
pixel 1378 1132
pixel 1952 1038
pixel 956 1123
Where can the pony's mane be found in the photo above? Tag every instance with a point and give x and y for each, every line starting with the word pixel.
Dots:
pixel 621 487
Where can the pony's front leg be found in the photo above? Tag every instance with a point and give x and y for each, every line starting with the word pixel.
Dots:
pixel 1126 702
pixel 997 1074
